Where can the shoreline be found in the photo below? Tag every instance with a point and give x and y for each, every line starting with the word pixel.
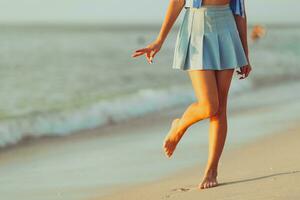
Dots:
pixel 252 180
pixel 156 116
pixel 105 160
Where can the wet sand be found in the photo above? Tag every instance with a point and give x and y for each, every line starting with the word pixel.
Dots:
pixel 126 161
pixel 266 169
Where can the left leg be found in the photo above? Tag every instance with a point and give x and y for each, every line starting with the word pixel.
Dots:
pixel 217 129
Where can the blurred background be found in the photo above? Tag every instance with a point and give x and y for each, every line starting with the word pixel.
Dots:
pixel 66 66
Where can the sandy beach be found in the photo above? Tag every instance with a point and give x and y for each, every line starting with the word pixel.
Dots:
pixel 81 119
pixel 126 161
pixel 266 169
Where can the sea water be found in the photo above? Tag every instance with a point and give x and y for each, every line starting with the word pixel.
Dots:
pixel 56 80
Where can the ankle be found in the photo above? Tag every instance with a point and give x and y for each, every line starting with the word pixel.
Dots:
pixel 211 171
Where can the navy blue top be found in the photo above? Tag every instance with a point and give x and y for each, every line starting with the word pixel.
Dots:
pixel 237 6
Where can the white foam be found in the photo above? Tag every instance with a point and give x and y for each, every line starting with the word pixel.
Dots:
pixel 66 122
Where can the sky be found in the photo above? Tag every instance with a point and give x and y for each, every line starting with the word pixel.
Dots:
pixel 134 11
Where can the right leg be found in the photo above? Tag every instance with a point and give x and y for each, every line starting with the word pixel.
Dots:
pixel 205 88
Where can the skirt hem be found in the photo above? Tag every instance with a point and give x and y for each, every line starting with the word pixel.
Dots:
pixel 201 68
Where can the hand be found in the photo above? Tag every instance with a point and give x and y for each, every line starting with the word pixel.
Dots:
pixel 245 70
pixel 149 51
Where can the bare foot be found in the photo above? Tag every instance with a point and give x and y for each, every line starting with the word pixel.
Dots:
pixel 172 138
pixel 209 180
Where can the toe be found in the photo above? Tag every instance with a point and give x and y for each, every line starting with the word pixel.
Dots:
pixel 214 183
pixel 209 184
pixel 200 186
pixel 167 153
pixel 166 142
pixel 204 184
pixel 165 145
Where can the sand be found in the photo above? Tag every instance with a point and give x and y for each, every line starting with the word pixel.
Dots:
pixel 266 169
pixel 125 161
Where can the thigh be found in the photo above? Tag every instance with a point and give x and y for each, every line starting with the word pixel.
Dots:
pixel 204 85
pixel 223 78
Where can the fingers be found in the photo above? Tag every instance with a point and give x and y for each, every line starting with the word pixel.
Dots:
pixel 137 54
pixel 154 53
pixel 149 53
pixel 148 57
pixel 142 50
pixel 244 72
pixel 241 72
pixel 247 71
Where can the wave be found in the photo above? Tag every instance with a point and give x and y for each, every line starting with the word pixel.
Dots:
pixel 98 114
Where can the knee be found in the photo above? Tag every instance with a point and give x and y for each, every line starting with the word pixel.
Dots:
pixel 212 107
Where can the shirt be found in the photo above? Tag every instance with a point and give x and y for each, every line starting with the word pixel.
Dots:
pixel 237 6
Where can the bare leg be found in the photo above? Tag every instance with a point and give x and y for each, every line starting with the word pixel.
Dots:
pixel 217 130
pixel 205 87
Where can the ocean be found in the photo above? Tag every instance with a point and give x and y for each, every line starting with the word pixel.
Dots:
pixel 56 80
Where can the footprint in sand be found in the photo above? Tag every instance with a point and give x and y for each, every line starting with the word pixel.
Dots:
pixel 179 190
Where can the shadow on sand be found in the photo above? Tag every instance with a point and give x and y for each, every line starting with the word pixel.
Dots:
pixel 259 178
pixel 192 187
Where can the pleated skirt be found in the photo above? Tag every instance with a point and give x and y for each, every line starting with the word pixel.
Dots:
pixel 208 38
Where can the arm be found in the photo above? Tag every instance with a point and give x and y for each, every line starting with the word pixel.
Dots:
pixel 173 10
pixel 241 23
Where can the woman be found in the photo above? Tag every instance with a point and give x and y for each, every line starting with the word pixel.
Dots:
pixel 211 43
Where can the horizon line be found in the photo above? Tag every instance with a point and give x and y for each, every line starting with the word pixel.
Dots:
pixel 119 26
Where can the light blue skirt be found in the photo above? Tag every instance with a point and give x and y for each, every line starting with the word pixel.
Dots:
pixel 208 38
